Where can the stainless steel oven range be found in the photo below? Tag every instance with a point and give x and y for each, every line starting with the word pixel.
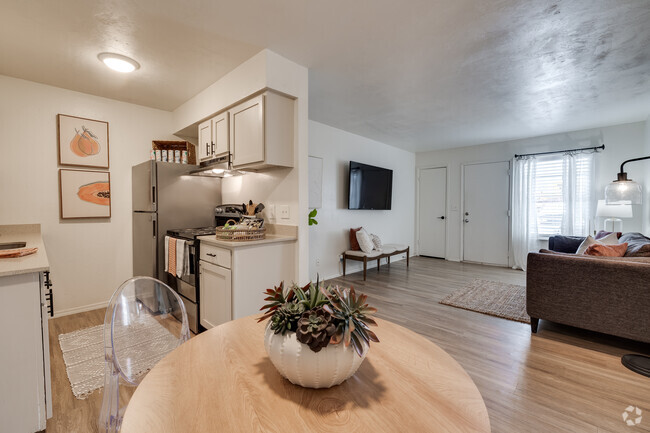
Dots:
pixel 188 285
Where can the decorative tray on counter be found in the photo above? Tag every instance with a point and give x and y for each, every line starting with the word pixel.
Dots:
pixel 245 231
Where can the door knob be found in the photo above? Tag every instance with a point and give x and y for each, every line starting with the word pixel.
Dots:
pixel 466 220
pixel 441 217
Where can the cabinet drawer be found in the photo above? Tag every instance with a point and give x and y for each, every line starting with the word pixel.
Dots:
pixel 215 255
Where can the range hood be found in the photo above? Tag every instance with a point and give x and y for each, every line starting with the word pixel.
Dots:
pixel 217 167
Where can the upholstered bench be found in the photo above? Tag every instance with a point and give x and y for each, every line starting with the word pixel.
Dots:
pixel 387 251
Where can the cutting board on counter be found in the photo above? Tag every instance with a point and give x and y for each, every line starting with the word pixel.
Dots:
pixel 17 252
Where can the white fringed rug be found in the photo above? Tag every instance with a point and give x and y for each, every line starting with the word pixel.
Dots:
pixel 494 298
pixel 146 342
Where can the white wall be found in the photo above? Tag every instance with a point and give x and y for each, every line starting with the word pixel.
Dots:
pixel 89 258
pixel 621 142
pixel 284 186
pixel 330 237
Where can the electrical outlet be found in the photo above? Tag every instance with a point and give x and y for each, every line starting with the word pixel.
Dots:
pixel 317 262
pixel 284 211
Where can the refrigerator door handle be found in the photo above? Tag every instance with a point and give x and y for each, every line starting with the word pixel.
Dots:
pixel 154 228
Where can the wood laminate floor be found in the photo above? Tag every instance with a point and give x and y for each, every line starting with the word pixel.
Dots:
pixel 559 380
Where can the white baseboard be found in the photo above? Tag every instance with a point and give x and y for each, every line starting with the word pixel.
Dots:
pixel 81 309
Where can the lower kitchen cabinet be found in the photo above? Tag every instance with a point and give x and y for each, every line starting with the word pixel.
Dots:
pixel 234 275
pixel 25 387
pixel 216 291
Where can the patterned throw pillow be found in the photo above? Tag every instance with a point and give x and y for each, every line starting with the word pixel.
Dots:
pixel 617 250
pixel 365 243
pixel 376 242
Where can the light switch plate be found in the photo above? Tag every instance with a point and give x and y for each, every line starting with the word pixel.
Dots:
pixel 270 209
pixel 284 211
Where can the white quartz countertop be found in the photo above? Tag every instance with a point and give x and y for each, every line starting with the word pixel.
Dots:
pixel 270 239
pixel 31 234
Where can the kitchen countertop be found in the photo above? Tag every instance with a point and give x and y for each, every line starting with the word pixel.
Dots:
pixel 31 234
pixel 270 239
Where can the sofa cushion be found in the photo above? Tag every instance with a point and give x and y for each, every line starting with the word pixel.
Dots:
pixel 354 244
pixel 565 244
pixel 370 255
pixel 617 250
pixel 637 245
pixel 610 239
pixel 365 242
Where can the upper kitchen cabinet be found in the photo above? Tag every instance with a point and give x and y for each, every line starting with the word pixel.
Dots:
pixel 205 140
pixel 261 132
pixel 213 137
pixel 220 134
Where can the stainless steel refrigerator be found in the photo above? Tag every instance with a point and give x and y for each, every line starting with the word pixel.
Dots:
pixel 166 197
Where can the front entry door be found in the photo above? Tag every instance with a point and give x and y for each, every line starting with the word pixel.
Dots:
pixel 485 213
pixel 432 212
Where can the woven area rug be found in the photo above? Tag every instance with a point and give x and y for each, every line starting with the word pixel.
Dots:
pixel 507 301
pixel 146 342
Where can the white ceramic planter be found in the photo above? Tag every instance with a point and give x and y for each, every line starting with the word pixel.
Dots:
pixel 302 366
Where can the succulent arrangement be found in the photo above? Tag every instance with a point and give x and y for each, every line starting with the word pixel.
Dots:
pixel 321 315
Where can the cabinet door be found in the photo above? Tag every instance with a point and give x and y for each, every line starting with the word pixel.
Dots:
pixel 215 286
pixel 247 132
pixel 220 134
pixel 205 140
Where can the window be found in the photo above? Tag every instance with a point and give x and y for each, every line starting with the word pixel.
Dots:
pixel 562 192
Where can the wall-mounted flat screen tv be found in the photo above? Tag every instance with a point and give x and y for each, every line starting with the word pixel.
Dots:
pixel 370 187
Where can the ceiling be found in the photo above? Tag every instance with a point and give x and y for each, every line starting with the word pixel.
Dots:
pixel 417 74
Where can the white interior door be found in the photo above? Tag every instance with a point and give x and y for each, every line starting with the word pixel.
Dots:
pixel 432 219
pixel 485 213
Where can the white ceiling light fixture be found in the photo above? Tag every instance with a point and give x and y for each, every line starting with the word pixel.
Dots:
pixel 118 62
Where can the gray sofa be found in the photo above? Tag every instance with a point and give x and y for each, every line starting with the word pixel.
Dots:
pixel 603 294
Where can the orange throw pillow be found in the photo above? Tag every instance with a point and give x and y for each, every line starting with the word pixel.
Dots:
pixel 617 250
pixel 354 243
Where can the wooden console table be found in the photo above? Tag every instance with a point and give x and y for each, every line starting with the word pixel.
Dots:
pixel 223 381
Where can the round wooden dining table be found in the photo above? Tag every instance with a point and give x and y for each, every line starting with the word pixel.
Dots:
pixel 223 381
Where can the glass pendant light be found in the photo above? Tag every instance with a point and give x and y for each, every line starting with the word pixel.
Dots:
pixel 623 191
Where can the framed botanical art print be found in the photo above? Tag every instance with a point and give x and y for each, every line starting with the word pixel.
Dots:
pixel 82 142
pixel 84 194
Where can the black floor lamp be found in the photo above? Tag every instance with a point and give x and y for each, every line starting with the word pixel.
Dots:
pixel 627 191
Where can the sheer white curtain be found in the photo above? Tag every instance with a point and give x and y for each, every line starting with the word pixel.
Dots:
pixel 524 210
pixel 577 193
pixel 551 195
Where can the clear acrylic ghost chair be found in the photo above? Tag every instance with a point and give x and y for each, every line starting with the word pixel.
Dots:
pixel 144 321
